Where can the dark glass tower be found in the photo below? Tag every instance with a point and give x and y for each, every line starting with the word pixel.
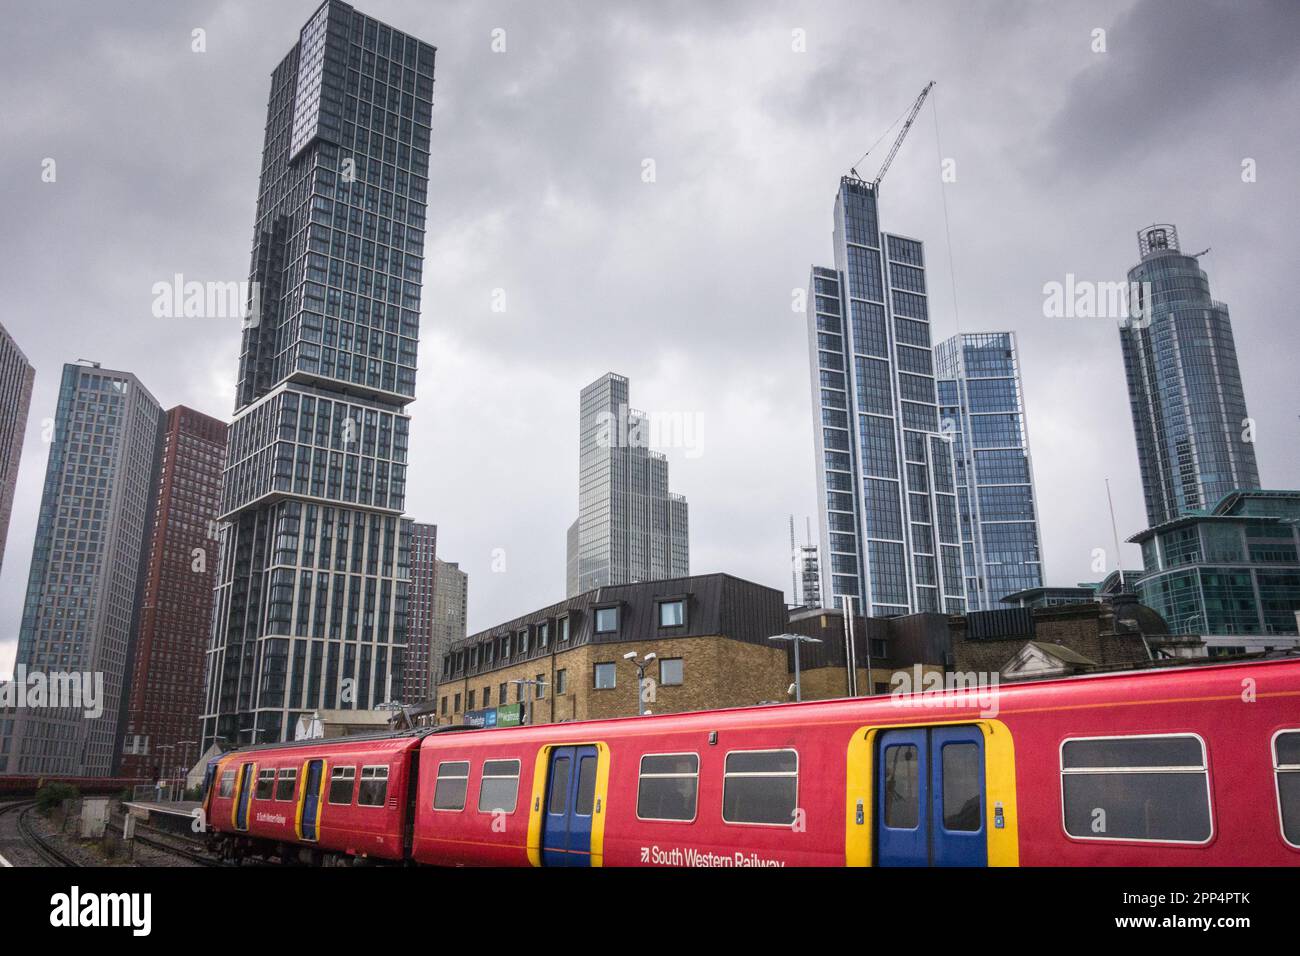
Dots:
pixel 982 404
pixel 1184 385
pixel 885 473
pixel 310 608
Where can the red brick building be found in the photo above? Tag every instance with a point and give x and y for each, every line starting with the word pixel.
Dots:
pixel 164 703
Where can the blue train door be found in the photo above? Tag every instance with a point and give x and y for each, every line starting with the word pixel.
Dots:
pixel 311 798
pixel 930 799
pixel 570 799
pixel 245 794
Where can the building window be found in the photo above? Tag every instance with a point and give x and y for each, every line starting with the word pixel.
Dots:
pixel 1154 789
pixel 540 686
pixel 670 671
pixel 444 705
pixel 499 791
pixel 672 613
pixel 604 676
pixel 564 629
pixel 761 787
pixel 487 696
pixel 374 787
pixel 285 785
pixel 1286 770
pixel 606 620
pixel 456 704
pixel 453 780
pixel 341 780
pixel 668 787
pixel 501 694
pixel 561 681
pixel 543 634
pixel 265 784
pixel 469 701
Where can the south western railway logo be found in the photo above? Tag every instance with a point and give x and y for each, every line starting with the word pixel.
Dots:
pixel 681 856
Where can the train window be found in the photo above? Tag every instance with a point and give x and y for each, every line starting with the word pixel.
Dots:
pixel 1153 789
pixel 453 779
pixel 499 790
pixel 1286 770
pixel 227 788
pixel 586 787
pixel 901 782
pixel 374 787
pixel 962 793
pixel 669 787
pixel 558 801
pixel 284 786
pixel 761 787
pixel 265 784
pixel 341 780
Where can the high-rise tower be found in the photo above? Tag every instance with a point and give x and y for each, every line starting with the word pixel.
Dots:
pixel 981 405
pixel 630 527
pixel 16 377
pixel 1194 441
pixel 888 513
pixel 79 616
pixel 164 700
pixel 311 595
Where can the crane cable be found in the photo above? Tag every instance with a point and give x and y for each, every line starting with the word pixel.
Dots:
pixel 947 228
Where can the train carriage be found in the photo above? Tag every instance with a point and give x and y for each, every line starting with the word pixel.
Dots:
pixel 1190 766
pixel 323 800
pixel 1187 766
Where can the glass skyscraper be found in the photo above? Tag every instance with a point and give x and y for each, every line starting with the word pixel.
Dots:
pixel 981 405
pixel 630 527
pixel 16 377
pixel 311 597
pixel 87 566
pixel 888 514
pixel 1185 392
pixel 1229 572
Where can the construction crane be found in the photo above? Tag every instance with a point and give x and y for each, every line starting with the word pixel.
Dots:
pixel 902 134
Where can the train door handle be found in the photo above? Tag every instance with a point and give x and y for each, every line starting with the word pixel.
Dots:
pixel 598 805
pixel 861 817
pixel 537 803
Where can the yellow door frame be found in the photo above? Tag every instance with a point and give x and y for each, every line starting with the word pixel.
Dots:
pixel 537 808
pixel 1003 842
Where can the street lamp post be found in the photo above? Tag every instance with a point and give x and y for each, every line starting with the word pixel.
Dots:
pixel 640 666
pixel 529 683
pixel 796 640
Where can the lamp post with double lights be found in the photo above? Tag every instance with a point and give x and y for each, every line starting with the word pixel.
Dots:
pixel 640 664
pixel 528 682
pixel 796 640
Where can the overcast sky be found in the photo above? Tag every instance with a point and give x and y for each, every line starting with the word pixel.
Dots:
pixel 684 283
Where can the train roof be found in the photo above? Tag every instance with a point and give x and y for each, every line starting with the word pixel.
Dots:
pixel 938 697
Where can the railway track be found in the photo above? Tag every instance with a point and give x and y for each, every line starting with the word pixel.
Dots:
pixel 194 856
pixel 33 840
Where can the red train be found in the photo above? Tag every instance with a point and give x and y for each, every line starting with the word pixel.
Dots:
pixel 1195 765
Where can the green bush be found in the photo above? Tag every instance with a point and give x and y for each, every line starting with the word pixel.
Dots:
pixel 53 794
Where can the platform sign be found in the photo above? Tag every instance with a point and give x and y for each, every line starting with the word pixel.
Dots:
pixel 511 715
